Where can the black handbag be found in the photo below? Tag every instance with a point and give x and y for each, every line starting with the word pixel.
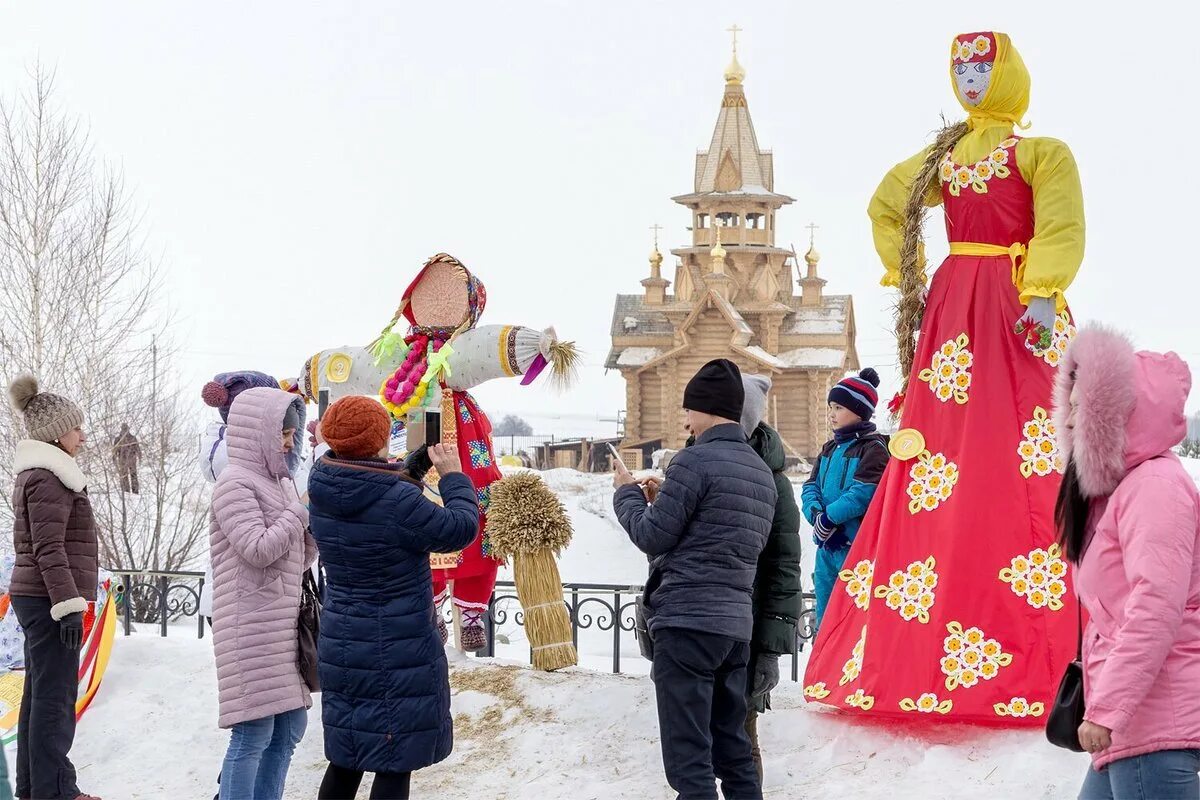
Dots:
pixel 308 630
pixel 1062 724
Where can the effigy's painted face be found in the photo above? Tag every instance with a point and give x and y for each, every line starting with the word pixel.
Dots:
pixel 440 299
pixel 973 80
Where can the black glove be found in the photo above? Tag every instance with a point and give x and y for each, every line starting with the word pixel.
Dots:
pixel 70 630
pixel 417 463
pixel 766 674
pixel 836 542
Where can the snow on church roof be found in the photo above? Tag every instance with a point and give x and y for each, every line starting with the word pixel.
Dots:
pixel 827 318
pixel 638 356
pixel 814 357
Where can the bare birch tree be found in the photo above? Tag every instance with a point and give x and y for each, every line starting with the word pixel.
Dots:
pixel 81 307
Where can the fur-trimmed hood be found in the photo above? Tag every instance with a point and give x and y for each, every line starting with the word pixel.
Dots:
pixel 1131 407
pixel 31 454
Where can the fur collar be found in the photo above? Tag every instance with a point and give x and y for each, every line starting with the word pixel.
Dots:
pixel 40 455
pixel 1099 367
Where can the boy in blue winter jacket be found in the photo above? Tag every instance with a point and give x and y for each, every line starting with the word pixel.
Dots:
pixel 844 479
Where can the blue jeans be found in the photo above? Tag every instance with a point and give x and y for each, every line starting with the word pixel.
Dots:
pixel 259 754
pixel 1163 775
pixel 825 578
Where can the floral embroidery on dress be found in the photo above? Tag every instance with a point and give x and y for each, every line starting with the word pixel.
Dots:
pixel 853 667
pixel 1040 577
pixel 933 479
pixel 950 374
pixel 817 691
pixel 861 699
pixel 976 176
pixel 971 657
pixel 927 704
pixel 1020 707
pixel 911 592
pixel 1064 333
pixel 858 582
pixel 1039 448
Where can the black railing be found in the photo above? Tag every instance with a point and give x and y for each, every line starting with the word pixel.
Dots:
pixel 160 598
pixel 613 611
pixel 163 597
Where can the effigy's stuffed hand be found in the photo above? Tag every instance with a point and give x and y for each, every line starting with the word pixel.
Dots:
pixel 1037 323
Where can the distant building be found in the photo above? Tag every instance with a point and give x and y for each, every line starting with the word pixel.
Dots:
pixel 734 297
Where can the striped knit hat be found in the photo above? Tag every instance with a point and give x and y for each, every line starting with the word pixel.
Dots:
pixel 859 393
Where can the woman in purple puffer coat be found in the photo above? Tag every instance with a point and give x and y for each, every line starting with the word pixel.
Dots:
pixel 260 549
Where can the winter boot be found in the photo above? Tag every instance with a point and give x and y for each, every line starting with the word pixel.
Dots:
pixel 473 637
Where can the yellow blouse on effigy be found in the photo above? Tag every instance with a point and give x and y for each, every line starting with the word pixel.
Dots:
pixel 1052 257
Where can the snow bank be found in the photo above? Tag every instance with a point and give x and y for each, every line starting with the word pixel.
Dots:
pixel 574 735
pixel 581 734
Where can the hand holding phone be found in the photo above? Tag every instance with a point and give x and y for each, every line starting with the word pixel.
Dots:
pixel 618 462
pixel 621 474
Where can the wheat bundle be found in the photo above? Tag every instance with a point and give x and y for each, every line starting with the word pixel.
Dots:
pixel 527 523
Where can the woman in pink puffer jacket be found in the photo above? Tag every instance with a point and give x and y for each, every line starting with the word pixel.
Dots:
pixel 1130 520
pixel 260 548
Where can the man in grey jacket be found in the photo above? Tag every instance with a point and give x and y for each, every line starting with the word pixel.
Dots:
pixel 703 530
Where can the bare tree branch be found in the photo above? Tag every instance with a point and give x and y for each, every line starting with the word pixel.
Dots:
pixel 81 307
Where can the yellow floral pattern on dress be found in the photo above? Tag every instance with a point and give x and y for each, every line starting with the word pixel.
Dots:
pixel 1040 577
pixel 976 176
pixel 911 592
pixel 950 374
pixel 852 668
pixel 933 479
pixel 816 692
pixel 861 699
pixel 927 704
pixel 971 657
pixel 858 582
pixel 1064 333
pixel 1019 707
pixel 1039 448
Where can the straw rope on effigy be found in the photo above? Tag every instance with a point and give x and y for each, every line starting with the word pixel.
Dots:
pixel 527 523
pixel 910 308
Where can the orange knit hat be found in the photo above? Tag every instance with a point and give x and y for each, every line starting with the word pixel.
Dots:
pixel 356 427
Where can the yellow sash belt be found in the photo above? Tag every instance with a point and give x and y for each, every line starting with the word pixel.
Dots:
pixel 1015 251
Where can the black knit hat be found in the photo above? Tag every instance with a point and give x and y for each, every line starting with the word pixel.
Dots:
pixel 716 389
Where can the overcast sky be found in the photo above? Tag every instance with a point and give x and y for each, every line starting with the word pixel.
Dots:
pixel 297 162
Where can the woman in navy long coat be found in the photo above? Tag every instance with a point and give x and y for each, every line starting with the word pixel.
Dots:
pixel 384 680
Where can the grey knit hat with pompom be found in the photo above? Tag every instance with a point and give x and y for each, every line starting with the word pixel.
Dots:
pixel 47 416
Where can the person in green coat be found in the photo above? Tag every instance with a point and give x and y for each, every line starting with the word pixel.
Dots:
pixel 777 592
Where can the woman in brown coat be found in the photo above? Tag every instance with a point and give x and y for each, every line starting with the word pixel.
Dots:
pixel 54 579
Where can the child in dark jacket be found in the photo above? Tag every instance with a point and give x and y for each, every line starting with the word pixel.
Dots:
pixel 844 479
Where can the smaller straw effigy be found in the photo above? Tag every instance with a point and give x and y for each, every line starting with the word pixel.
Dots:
pixel 527 523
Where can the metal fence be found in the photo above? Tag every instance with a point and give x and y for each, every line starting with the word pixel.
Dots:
pixel 161 598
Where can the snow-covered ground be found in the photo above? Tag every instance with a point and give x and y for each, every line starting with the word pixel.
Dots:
pixel 574 735
pixel 583 733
